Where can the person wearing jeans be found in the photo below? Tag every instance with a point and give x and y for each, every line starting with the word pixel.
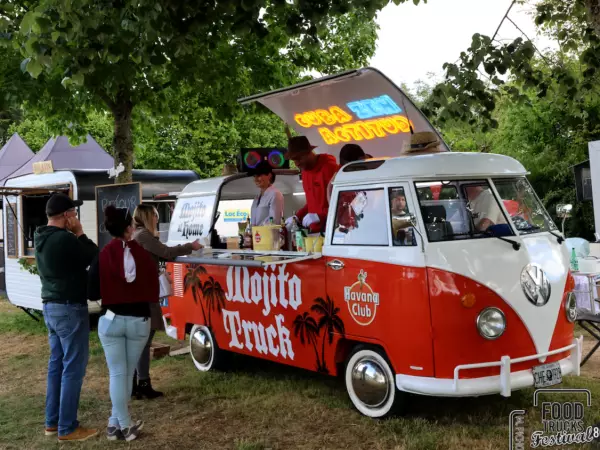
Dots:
pixel 125 277
pixel 145 220
pixel 63 254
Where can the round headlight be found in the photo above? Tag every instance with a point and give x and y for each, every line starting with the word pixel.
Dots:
pixel 491 323
pixel 571 307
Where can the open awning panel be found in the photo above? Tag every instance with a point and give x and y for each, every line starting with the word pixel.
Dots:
pixel 360 106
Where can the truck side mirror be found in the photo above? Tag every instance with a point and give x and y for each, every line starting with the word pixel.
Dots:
pixel 564 211
pixel 404 221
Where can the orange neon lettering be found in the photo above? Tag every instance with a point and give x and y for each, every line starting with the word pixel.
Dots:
pixel 312 117
pixel 328 136
pixel 325 116
pixel 300 120
pixel 389 126
pixel 360 131
pixel 342 134
pixel 341 115
pixel 402 123
pixel 375 127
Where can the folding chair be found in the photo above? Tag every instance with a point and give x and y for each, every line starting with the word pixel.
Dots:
pixel 588 307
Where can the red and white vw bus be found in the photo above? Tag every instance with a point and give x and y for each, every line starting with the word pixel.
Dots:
pixel 409 292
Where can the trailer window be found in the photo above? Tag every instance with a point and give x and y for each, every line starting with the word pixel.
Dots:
pixel 360 218
pixel 34 216
pixel 402 234
pixel 460 210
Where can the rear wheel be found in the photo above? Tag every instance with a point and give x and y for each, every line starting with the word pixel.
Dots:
pixel 370 383
pixel 205 352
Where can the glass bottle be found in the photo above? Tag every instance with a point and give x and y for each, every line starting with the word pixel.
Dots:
pixel 574 261
pixel 248 235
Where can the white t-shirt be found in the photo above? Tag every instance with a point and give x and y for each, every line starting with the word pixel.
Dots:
pixel 269 204
pixel 485 206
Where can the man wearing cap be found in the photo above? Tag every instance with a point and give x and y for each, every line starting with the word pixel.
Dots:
pixel 317 172
pixel 63 254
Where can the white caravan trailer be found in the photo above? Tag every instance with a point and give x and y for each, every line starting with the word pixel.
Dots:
pixel 26 197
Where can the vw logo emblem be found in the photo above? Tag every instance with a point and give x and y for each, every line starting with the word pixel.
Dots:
pixel 535 284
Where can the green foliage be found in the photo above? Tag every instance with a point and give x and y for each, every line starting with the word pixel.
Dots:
pixel 512 70
pixel 119 56
pixel 28 266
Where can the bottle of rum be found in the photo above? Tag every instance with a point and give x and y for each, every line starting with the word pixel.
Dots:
pixel 248 235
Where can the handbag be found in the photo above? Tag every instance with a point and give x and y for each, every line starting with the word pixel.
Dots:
pixel 166 290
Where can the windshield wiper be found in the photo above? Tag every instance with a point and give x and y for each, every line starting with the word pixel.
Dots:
pixel 559 238
pixel 515 245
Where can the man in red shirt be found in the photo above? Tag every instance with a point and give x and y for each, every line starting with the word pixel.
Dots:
pixel 317 172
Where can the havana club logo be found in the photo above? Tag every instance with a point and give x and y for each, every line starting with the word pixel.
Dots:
pixel 361 300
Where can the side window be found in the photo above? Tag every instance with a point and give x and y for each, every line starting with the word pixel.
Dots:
pixel 403 233
pixel 360 218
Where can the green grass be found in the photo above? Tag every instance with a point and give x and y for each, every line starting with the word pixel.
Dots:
pixel 255 405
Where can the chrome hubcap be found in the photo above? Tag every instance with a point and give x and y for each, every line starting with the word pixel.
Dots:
pixel 201 347
pixel 370 383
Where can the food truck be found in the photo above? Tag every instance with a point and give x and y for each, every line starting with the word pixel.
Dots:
pixel 408 294
pixel 24 201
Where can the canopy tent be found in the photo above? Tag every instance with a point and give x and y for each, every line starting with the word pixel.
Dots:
pixel 13 156
pixel 89 155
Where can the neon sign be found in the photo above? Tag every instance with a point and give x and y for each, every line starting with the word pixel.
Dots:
pixel 374 107
pixel 382 112
pixel 366 130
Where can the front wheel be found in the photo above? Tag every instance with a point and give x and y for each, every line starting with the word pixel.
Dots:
pixel 205 352
pixel 370 383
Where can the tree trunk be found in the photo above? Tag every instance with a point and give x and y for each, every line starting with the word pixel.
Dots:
pixel 593 9
pixel 123 139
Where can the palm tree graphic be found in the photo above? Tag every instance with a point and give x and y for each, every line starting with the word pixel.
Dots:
pixel 192 281
pixel 329 321
pixel 214 295
pixel 307 330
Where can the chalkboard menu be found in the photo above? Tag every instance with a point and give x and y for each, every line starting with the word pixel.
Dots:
pixel 128 195
pixel 11 238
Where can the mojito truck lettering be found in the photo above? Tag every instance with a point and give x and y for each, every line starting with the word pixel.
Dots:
pixel 192 218
pixel 265 289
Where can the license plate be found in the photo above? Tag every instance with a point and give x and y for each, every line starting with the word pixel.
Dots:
pixel 547 375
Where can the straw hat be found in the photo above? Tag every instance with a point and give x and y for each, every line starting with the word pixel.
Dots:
pixel 423 142
pixel 298 145
pixel 229 169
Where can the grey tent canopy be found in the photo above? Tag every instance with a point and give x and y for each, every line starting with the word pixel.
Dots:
pixel 13 156
pixel 89 155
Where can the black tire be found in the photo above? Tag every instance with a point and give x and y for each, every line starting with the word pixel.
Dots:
pixel 371 383
pixel 204 350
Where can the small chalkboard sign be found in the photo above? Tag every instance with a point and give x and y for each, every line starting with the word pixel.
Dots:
pixel 127 195
pixel 11 240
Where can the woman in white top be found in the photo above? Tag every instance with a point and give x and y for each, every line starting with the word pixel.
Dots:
pixel 269 201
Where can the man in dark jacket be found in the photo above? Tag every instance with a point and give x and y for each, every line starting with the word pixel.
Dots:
pixel 63 254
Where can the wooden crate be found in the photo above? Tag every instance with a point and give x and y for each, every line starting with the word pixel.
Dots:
pixel 158 351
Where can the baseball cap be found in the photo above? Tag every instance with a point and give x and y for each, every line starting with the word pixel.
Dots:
pixel 60 203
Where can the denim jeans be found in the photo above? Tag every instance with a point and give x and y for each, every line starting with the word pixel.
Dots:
pixel 68 333
pixel 143 365
pixel 123 339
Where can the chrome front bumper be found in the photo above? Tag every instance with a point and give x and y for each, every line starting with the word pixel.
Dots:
pixel 502 384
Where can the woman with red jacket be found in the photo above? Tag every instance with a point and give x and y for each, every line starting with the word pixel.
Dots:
pixel 128 281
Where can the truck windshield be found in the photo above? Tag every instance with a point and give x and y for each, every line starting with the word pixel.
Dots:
pixel 525 209
pixel 453 210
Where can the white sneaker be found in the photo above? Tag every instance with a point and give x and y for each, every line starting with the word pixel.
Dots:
pixel 133 431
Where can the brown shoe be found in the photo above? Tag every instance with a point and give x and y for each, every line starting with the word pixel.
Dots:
pixel 80 434
pixel 51 431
